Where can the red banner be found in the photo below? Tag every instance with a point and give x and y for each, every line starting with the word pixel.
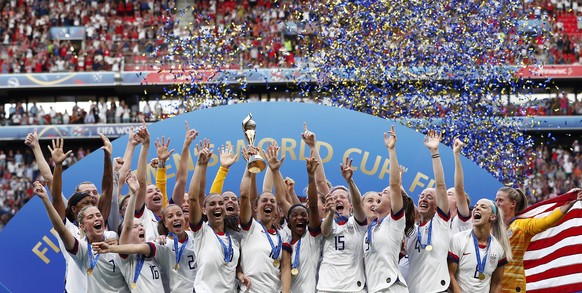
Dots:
pixel 550 71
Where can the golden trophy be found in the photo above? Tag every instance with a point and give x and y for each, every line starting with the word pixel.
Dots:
pixel 256 163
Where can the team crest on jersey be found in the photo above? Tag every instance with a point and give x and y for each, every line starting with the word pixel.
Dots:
pixel 509 232
pixel 350 227
pixel 493 257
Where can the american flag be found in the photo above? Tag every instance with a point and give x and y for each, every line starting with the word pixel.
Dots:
pixel 553 260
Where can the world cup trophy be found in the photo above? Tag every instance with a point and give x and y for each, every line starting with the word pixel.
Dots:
pixel 256 163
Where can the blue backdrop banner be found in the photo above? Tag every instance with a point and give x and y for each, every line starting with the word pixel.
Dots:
pixel 32 262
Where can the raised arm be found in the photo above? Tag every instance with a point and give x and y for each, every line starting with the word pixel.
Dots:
pixel 161 177
pixel 432 141
pixel 348 173
pixel 275 165
pixel 133 185
pixel 314 221
pixel 268 181
pixel 227 158
pixel 132 142
pixel 114 217
pixel 395 177
pixel 141 248
pixel 246 210
pixel 204 145
pixel 45 170
pixel 144 136
pixel 107 180
pixel 291 195
pixel 311 141
pixel 182 173
pixel 195 201
pixel 65 235
pixel 462 204
pixel 59 156
pixel 327 224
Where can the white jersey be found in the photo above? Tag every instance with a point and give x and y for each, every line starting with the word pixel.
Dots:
pixel 213 273
pixel 429 271
pixel 150 223
pixel 381 254
pixel 342 266
pixel 182 279
pixel 462 251
pixel 106 276
pixel 460 223
pixel 256 258
pixel 75 279
pixel 149 278
pixel 309 252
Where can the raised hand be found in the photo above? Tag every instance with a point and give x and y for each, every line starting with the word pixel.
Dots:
pixel 143 134
pixel 271 155
pixel 330 203
pixel 249 151
pixel 390 138
pixel 457 146
pixel 308 136
pixel 191 134
pixel 101 247
pixel 311 164
pixel 133 139
pixel 162 148
pixel 204 152
pixel 290 184
pixel 39 190
pixel 132 182
pixel 57 153
pixel 32 139
pixel 107 146
pixel 432 140
pixel 227 156
pixel 117 163
pixel 346 169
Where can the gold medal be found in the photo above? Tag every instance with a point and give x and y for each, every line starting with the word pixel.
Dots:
pixel 177 266
pixel 294 271
pixel 133 285
pixel 428 247
pixel 89 272
pixel 481 276
pixel 276 262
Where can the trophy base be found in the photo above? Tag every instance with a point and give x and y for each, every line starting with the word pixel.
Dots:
pixel 256 164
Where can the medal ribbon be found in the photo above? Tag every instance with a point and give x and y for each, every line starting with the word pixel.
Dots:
pixel 481 261
pixel 138 267
pixel 429 237
pixel 340 219
pixel 92 259
pixel 228 253
pixel 275 250
pixel 371 227
pixel 295 263
pixel 180 251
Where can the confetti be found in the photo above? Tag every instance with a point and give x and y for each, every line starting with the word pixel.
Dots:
pixel 430 64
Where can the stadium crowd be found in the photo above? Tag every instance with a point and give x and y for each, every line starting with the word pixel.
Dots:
pixel 123 35
pixel 119 111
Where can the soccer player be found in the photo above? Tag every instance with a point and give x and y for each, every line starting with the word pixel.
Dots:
pixel 383 240
pixel 342 266
pixel 520 231
pixel 477 256
pixel 428 245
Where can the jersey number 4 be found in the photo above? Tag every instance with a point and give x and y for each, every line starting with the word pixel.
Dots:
pixel 339 243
